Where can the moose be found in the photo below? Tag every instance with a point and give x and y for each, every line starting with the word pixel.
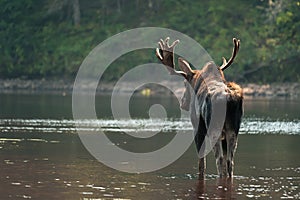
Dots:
pixel 209 86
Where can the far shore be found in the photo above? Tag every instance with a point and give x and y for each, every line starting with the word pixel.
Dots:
pixel 61 86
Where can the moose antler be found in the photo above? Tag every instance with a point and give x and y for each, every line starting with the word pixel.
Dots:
pixel 236 47
pixel 165 53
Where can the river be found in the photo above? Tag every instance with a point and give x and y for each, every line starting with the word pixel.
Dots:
pixel 42 156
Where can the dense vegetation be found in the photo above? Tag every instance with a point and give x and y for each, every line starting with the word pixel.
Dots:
pixel 50 38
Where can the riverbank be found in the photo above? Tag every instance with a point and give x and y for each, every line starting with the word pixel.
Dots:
pixel 286 90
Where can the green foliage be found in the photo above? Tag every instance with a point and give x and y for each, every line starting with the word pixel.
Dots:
pixel 39 39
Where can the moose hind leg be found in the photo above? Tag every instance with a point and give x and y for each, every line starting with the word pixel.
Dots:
pixel 200 149
pixel 199 140
pixel 202 166
pixel 231 138
pixel 219 158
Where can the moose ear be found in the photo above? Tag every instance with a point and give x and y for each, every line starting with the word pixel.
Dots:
pixel 185 67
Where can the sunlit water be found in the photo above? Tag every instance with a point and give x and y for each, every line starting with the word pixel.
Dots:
pixel 249 125
pixel 42 157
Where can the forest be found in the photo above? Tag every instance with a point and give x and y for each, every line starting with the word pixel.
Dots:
pixel 51 38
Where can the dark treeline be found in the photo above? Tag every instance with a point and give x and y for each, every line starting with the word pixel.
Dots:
pixel 50 38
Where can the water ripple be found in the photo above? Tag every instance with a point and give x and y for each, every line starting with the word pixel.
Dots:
pixel 249 126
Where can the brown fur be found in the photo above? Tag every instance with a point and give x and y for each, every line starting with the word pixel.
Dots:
pixel 209 85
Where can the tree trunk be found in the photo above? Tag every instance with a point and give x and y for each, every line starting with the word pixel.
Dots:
pixel 119 6
pixel 76 12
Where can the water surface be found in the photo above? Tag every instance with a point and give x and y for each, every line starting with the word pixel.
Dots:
pixel 42 157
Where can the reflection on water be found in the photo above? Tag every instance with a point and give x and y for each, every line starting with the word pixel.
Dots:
pixel 248 126
pixel 42 157
pixel 36 164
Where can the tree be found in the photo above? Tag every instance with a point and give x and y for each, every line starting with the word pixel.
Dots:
pixel 66 7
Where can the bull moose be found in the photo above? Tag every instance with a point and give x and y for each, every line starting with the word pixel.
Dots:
pixel 208 85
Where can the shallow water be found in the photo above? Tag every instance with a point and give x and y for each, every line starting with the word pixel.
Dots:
pixel 42 157
pixel 54 165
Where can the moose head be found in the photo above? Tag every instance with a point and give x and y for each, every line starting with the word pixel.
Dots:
pixel 165 53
